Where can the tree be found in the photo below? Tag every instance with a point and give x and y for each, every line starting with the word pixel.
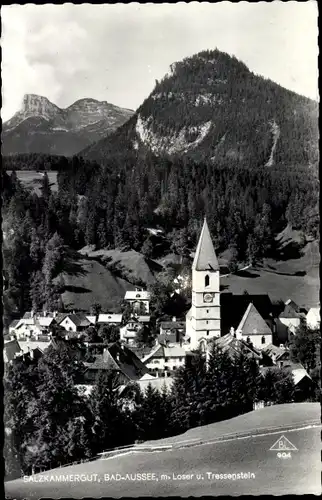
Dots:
pixel 109 333
pixel 52 266
pixel 96 309
pixel 108 417
pixel 147 248
pixel 305 347
pixel 276 386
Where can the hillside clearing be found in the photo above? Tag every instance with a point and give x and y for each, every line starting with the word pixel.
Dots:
pixel 31 179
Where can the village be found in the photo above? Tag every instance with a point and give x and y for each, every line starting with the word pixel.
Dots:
pixel 244 323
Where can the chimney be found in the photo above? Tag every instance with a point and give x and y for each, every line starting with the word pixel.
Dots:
pixel 232 331
pixel 66 337
pixel 174 319
pixel 54 314
pixel 239 334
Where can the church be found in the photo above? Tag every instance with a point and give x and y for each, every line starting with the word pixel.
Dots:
pixel 212 315
pixel 203 319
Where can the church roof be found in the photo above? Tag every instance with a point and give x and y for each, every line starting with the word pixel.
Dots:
pixel 252 323
pixel 205 257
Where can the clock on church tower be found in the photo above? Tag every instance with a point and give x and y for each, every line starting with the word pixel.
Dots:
pixel 208 297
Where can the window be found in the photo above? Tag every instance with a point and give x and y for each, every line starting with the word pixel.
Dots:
pixel 174 368
pixel 263 339
pixel 207 310
pixel 207 330
pixel 207 322
pixel 207 280
pixel 248 340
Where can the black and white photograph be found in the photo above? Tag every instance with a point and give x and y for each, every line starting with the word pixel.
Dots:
pixel 160 250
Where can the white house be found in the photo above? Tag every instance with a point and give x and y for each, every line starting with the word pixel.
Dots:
pixel 137 299
pixel 254 329
pixel 313 317
pixel 75 323
pixel 291 316
pixel 109 319
pixel 165 360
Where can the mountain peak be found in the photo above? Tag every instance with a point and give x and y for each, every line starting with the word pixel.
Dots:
pixel 34 104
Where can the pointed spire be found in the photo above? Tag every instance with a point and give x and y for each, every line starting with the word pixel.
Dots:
pixel 205 257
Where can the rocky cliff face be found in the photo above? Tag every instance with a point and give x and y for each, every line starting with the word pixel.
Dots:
pixel 42 127
pixel 210 106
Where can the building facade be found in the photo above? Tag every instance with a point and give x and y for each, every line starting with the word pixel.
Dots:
pixel 203 319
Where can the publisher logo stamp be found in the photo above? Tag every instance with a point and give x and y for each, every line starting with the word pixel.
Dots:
pixel 283 447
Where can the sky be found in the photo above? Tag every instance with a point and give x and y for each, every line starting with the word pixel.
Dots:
pixel 116 52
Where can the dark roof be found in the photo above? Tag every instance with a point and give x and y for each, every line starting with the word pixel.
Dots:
pixel 252 323
pixel 290 311
pixel 233 308
pixel 272 349
pixel 173 325
pixel 14 323
pixel 27 315
pixel 78 319
pixel 119 358
pixel 205 257
pixel 11 348
pixel 228 343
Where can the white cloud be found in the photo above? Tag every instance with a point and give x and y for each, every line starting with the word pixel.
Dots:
pixel 115 52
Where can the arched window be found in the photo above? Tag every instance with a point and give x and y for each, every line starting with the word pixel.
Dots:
pixel 263 339
pixel 207 280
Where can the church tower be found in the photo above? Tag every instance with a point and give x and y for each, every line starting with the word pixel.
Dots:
pixel 203 319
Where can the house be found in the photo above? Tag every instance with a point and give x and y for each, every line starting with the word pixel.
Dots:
pixel 176 327
pixel 234 346
pixel 75 323
pixel 139 300
pixel 274 355
pixel 128 333
pixel 118 358
pixel 288 320
pixel 109 319
pixel 313 318
pixel 254 329
pixel 156 382
pixel 165 360
pixel 33 345
pixel 13 326
pixel 92 319
pixel 234 306
pixel 304 384
pixel 10 350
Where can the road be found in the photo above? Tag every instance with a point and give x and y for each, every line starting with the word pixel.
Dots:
pixel 264 472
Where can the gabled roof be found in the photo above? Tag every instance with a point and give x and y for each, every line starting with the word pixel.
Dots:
pixel 78 319
pixel 290 311
pixel 139 295
pixel 314 312
pixel 46 321
pixel 233 346
pixel 173 325
pixel 271 350
pixel 161 351
pixel 297 370
pixel 119 358
pixel 10 349
pixel 109 318
pixel 234 306
pixel 205 257
pixel 14 323
pixel 252 323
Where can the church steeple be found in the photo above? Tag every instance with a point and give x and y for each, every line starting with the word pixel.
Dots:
pixel 203 319
pixel 205 257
